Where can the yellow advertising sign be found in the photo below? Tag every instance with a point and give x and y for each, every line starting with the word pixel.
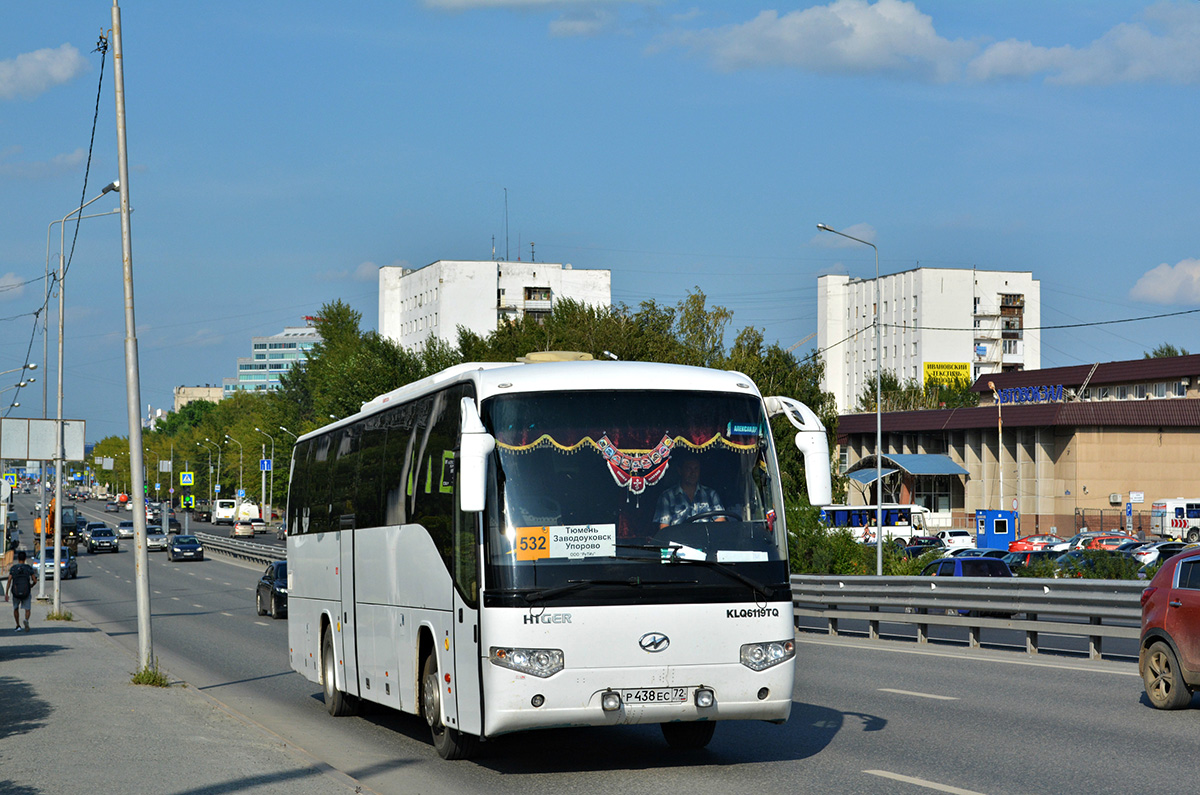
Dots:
pixel 947 372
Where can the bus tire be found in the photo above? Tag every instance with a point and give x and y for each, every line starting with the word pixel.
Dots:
pixel 337 702
pixel 693 734
pixel 450 743
pixel 1193 535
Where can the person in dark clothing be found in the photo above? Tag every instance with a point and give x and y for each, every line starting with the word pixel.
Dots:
pixel 21 579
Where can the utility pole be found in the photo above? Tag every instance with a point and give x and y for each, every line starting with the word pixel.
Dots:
pixel 133 389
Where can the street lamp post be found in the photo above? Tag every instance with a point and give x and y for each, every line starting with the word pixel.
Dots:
pixel 59 452
pixel 878 407
pixel 217 489
pixel 241 461
pixel 206 449
pixel 271 499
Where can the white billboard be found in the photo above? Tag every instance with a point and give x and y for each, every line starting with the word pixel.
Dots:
pixel 37 439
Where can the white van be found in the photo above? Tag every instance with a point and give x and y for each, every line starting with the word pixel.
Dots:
pixel 229 511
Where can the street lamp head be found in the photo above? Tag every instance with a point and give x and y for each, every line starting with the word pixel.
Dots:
pixel 32 366
pixel 114 185
pixel 992 385
pixel 824 228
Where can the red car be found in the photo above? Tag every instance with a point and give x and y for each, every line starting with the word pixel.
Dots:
pixel 1169 658
pixel 1107 542
pixel 1034 543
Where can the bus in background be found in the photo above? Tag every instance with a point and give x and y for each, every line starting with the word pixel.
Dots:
pixel 1176 518
pixel 502 547
pixel 899 521
pixel 230 511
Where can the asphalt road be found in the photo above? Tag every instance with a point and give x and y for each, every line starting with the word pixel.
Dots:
pixel 868 717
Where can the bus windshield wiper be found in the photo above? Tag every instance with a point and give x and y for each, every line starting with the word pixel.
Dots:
pixel 537 595
pixel 766 590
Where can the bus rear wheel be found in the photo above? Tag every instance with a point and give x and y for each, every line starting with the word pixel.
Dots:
pixel 337 702
pixel 1193 536
pixel 694 734
pixel 450 744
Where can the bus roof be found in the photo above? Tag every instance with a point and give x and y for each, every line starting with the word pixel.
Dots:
pixel 493 378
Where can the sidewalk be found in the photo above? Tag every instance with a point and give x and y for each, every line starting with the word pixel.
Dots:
pixel 70 721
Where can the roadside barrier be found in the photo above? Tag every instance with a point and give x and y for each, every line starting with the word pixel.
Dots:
pixel 242 550
pixel 1095 609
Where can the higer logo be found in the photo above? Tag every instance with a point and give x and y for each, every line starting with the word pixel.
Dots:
pixel 548 618
pixel 654 642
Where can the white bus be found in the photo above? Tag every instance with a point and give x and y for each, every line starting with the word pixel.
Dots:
pixel 1176 518
pixel 486 548
pixel 899 521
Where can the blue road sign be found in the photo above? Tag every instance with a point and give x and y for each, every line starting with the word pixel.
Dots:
pixel 187 478
pixel 264 464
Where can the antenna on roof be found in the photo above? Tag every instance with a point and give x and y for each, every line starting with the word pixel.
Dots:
pixel 506 224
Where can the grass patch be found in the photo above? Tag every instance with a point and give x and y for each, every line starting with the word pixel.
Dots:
pixel 62 615
pixel 152 676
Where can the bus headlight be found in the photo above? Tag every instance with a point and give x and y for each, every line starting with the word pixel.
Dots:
pixel 760 656
pixel 536 662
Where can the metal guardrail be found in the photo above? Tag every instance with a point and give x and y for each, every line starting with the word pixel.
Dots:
pixel 242 550
pixel 1080 608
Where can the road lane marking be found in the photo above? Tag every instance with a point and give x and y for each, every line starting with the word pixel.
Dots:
pixel 977 658
pixel 918 695
pixel 262 623
pixel 199 606
pixel 175 598
pixel 920 782
pixel 227 614
pixel 159 593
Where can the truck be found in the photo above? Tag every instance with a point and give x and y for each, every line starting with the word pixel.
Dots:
pixel 230 511
pixel 1178 517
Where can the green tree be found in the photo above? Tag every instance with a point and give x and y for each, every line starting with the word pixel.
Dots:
pixel 1165 351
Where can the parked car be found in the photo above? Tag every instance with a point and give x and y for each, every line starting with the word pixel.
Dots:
pixel 917 550
pixel 242 528
pixel 258 524
pixel 112 507
pixel 1076 541
pixel 967 567
pixel 1109 542
pixel 68 565
pixel 1033 543
pixel 1169 656
pixel 155 537
pixel 272 592
pixel 125 528
pixel 975 552
pixel 103 539
pixel 1156 551
pixel 1021 560
pixel 185 548
pixel 956 538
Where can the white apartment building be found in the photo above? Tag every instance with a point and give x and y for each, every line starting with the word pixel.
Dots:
pixel 438 298
pixel 935 320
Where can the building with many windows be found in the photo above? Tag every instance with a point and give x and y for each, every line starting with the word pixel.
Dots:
pixel 270 358
pixel 438 298
pixel 934 323
pixel 1088 445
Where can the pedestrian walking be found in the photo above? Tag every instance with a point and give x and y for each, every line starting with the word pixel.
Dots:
pixel 21 579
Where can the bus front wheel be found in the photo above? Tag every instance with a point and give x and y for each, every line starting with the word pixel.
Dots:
pixel 450 743
pixel 337 702
pixel 694 734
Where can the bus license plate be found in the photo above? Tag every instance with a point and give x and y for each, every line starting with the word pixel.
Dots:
pixel 655 695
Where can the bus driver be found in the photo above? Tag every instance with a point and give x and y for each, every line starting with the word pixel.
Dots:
pixel 690 498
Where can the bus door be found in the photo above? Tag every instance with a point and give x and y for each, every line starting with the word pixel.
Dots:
pixel 349 633
pixel 466 666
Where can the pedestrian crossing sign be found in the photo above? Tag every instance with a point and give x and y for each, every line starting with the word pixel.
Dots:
pixel 187 478
pixel 10 478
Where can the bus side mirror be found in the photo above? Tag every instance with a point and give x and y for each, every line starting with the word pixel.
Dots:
pixel 476 445
pixel 812 444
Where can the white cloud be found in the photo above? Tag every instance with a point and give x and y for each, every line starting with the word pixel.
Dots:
pixel 366 272
pixel 12 287
pixel 31 73
pixel 1169 284
pixel 585 22
pixel 40 169
pixel 844 37
pixel 1163 48
pixel 830 240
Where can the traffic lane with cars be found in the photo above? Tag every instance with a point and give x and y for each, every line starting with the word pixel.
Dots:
pixel 867 715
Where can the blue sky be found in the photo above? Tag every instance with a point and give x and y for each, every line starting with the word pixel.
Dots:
pixel 280 152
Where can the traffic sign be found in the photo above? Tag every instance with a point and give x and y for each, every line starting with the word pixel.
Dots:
pixel 217 488
pixel 241 494
pixel 171 490
pixel 10 478
pixel 187 478
pixel 264 464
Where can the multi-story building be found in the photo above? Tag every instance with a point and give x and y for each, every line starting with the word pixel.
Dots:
pixel 188 394
pixel 438 298
pixel 270 358
pixel 934 322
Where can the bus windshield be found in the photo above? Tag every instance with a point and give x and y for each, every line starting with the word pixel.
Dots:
pixel 610 488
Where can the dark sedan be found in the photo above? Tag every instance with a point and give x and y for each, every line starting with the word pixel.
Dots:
pixel 103 539
pixel 271 594
pixel 185 548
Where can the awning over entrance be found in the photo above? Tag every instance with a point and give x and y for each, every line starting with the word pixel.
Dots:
pixel 866 476
pixel 908 463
